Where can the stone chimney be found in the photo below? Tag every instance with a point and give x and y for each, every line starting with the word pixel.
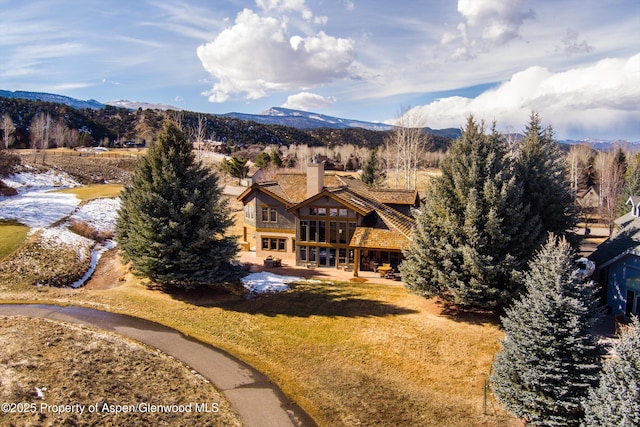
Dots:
pixel 315 177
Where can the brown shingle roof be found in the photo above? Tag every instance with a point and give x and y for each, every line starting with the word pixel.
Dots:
pixel 291 188
pixel 378 238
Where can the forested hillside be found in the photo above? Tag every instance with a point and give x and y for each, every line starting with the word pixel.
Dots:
pixel 111 126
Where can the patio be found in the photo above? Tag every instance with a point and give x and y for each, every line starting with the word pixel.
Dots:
pixel 286 269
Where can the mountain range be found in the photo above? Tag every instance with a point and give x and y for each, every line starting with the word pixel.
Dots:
pixel 274 116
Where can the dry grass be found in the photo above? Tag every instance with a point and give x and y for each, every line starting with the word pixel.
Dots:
pixel 12 236
pixel 44 263
pixel 87 170
pixel 72 364
pixel 94 191
pixel 348 353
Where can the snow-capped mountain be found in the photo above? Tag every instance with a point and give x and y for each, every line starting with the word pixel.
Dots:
pixel 134 105
pixel 50 97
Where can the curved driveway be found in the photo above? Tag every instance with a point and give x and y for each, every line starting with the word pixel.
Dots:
pixel 258 401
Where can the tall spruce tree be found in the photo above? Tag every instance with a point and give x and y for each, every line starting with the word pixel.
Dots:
pixel 616 400
pixel 372 174
pixel 549 359
pixel 474 233
pixel 542 169
pixel 172 220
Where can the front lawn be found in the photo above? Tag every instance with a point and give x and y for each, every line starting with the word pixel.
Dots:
pixel 348 353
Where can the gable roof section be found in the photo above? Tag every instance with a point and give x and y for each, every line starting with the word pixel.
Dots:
pixel 270 188
pixel 623 242
pixel 291 189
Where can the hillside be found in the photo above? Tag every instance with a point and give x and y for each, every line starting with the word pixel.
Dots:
pixel 110 125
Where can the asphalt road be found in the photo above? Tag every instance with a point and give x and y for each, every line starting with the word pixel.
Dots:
pixel 258 401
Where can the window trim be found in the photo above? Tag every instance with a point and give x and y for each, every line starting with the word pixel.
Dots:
pixel 273 244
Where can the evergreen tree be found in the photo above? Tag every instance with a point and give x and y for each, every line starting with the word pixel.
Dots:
pixel 262 160
pixel 275 158
pixel 549 359
pixel 474 233
pixel 236 167
pixel 172 220
pixel 616 401
pixel 631 185
pixel 542 169
pixel 372 174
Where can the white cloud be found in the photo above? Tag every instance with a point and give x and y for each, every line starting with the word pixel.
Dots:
pixel 257 55
pixel 307 101
pixel 580 101
pixel 487 23
pixel 291 5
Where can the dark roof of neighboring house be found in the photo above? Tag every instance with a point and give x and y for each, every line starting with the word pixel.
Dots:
pixel 625 240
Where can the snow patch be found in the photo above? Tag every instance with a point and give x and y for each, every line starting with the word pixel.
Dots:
pixel 35 205
pixel 99 214
pixel 96 254
pixel 43 180
pixel 37 208
pixel 264 282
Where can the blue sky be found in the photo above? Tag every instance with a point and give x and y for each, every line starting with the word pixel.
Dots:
pixel 575 62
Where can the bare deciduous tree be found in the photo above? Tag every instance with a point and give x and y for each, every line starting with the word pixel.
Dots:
pixel 40 130
pixel 409 141
pixel 8 129
pixel 612 170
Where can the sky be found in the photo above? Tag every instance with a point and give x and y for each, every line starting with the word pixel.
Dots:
pixel 574 62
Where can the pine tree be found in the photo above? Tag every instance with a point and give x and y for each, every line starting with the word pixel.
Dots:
pixel 549 359
pixel 172 220
pixel 262 160
pixel 631 185
pixel 616 400
pixel 236 167
pixel 275 158
pixel 474 233
pixel 543 171
pixel 372 174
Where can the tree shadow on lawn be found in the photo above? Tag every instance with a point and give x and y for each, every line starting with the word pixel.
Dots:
pixel 303 300
pixel 468 315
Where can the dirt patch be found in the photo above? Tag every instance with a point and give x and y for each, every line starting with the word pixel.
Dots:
pixel 87 170
pixel 109 273
pixel 45 365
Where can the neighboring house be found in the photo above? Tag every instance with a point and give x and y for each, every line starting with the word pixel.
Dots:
pixel 589 200
pixel 327 220
pixel 618 263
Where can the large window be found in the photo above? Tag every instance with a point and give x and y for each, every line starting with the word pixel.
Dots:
pixel 274 244
pixel 322 231
pixel 269 214
pixel 313 230
pixel 333 232
pixel 304 229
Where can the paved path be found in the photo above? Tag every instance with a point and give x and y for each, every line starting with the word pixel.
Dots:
pixel 257 401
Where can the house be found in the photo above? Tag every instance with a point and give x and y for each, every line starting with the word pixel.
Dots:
pixel 326 220
pixel 618 263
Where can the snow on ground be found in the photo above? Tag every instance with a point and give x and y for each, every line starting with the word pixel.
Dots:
pixel 96 254
pixel 48 180
pixel 100 214
pixel 35 205
pixel 37 208
pixel 264 282
pixel 64 236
